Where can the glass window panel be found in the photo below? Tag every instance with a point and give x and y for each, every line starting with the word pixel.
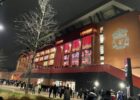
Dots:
pixel 52 50
pixel 67 47
pixel 46 57
pixel 52 56
pixel 101 49
pixel 51 62
pixel 86 42
pixel 86 57
pixel 45 63
pixel 101 57
pixel 75 59
pixel 42 52
pixel 101 38
pixel 66 60
pixel 76 44
pixel 36 59
pixel 47 51
pixel 41 59
pixel 102 63
pixel 101 29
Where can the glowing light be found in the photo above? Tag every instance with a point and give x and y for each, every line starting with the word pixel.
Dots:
pixel 96 83
pixel 122 85
pixel 1 27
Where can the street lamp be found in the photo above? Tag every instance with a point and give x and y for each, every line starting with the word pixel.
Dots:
pixel 1 27
pixel 122 85
pixel 96 83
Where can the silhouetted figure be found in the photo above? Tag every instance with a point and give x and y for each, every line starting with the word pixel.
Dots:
pixel 67 94
pixel 54 91
pixel 79 94
pixel 62 91
pixel 92 95
pixel 50 91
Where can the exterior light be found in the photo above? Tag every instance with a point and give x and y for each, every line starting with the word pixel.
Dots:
pixel 122 85
pixel 96 83
pixel 1 27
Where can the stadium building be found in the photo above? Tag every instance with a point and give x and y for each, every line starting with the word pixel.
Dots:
pixel 92 47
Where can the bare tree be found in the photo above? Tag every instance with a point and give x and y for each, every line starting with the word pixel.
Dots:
pixel 36 29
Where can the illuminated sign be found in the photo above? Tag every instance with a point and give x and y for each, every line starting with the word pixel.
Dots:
pixel 67 47
pixel 86 42
pixel 76 44
pixel 88 31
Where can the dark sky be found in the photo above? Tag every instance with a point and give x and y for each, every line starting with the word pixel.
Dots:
pixel 66 10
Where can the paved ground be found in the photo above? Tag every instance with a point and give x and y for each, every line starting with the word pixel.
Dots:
pixel 17 89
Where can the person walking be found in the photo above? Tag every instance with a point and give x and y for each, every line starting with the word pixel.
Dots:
pixel 67 94
pixel 50 91
pixel 54 91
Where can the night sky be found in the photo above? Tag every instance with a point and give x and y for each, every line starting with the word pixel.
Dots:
pixel 66 10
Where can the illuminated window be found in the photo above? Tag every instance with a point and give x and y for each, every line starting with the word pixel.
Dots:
pixel 67 48
pixel 101 58
pixel 76 44
pixel 47 51
pixel 42 52
pixel 66 60
pixel 52 50
pixel 51 62
pixel 51 56
pixel 38 54
pixel 101 29
pixel 41 59
pixel 86 57
pixel 86 42
pixel 101 49
pixel 75 59
pixel 45 63
pixel 46 57
pixel 36 59
pixel 101 38
pixel 102 63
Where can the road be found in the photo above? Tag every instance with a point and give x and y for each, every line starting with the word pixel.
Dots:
pixel 17 89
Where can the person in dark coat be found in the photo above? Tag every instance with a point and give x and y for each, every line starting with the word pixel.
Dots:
pixel 54 91
pixel 67 94
pixel 107 95
pixel 92 95
pixel 50 91
pixel 62 91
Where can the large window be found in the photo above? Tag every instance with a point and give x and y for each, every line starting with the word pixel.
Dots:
pixel 75 59
pixel 76 45
pixel 67 48
pixel 66 60
pixel 86 57
pixel 86 42
pixel 101 45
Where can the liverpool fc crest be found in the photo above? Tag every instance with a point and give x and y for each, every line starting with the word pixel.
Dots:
pixel 120 39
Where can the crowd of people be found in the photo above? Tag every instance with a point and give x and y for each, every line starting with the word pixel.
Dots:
pixel 67 93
